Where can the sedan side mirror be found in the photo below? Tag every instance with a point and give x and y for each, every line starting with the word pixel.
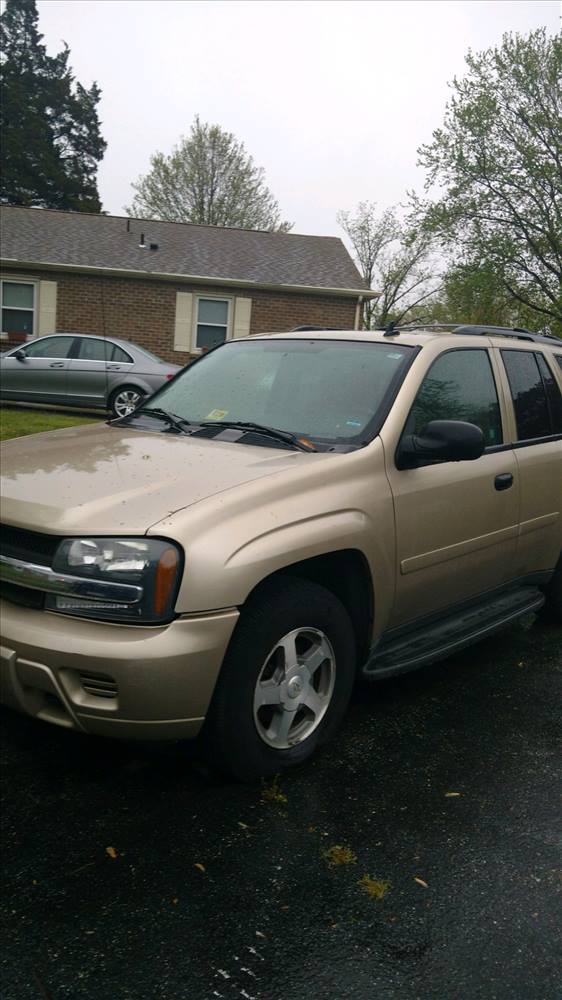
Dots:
pixel 441 441
pixel 20 354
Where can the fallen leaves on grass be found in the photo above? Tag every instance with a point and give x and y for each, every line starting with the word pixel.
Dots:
pixel 421 882
pixel 339 855
pixel 452 795
pixel 111 852
pixel 374 887
pixel 199 866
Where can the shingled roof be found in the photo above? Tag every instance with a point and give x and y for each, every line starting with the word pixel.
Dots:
pixel 99 243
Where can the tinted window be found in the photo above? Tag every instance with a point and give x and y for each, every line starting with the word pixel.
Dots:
pixel 50 347
pixel 559 359
pixel 529 395
pixel 553 398
pixel 459 386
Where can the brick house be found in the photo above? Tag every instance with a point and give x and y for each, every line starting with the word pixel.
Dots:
pixel 174 288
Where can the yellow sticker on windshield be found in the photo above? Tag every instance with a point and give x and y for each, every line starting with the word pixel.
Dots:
pixel 216 415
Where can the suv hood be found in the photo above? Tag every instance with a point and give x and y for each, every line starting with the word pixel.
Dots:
pixel 112 480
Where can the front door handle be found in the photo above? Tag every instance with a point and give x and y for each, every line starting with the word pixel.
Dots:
pixel 504 481
pixel 56 364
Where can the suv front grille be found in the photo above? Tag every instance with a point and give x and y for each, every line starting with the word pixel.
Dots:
pixel 29 546
pixel 25 596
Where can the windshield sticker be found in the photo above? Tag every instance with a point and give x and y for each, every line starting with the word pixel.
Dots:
pixel 395 357
pixel 216 415
pixel 353 423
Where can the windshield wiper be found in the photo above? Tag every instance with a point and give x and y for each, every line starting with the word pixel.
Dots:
pixel 271 432
pixel 171 418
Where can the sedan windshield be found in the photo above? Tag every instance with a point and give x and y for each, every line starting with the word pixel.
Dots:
pixel 330 391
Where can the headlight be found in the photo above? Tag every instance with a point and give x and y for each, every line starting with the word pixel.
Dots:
pixel 138 578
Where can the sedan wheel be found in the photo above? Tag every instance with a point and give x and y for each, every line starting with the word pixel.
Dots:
pixel 125 401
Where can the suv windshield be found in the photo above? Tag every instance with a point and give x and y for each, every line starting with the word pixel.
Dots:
pixel 331 391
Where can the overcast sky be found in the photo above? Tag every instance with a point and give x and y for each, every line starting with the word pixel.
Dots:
pixel 331 98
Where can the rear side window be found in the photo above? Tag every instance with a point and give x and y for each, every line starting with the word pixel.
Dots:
pixel 459 386
pixel 559 359
pixel 553 397
pixel 536 397
pixel 101 350
pixel 120 355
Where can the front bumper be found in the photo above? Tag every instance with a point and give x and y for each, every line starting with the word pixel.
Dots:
pixel 112 680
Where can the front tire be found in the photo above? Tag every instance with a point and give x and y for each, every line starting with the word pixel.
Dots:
pixel 286 680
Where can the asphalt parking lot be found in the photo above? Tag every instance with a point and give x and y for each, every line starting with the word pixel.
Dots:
pixel 419 856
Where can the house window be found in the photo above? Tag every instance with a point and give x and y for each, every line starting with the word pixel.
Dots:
pixel 212 323
pixel 18 307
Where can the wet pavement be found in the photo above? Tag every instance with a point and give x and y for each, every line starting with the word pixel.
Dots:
pixel 131 872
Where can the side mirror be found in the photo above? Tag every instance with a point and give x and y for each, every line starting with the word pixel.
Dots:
pixel 19 354
pixel 441 441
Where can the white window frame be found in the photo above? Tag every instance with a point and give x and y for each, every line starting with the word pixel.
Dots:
pixel 8 279
pixel 229 324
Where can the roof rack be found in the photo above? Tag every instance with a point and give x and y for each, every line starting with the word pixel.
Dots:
pixel 470 329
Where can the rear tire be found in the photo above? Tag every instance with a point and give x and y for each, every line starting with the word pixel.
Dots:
pixel 125 399
pixel 285 683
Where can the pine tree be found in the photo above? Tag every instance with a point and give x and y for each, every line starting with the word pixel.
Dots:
pixel 49 126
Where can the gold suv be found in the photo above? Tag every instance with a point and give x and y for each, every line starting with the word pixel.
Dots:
pixel 289 511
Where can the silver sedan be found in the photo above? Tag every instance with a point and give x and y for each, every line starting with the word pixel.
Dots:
pixel 71 369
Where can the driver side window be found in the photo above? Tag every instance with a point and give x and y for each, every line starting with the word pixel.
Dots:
pixel 49 347
pixel 459 386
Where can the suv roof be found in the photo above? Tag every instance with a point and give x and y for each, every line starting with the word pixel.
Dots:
pixel 415 334
pixel 470 329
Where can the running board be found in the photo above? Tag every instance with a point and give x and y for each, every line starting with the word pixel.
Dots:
pixel 428 643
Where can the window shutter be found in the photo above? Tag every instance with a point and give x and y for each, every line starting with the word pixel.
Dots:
pixel 182 327
pixel 47 315
pixel 242 315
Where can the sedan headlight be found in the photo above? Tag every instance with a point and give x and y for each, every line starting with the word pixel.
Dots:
pixel 133 579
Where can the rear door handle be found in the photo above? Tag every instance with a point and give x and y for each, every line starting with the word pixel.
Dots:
pixel 56 364
pixel 504 481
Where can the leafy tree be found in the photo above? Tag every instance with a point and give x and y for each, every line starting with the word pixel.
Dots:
pixel 50 131
pixel 476 294
pixel 393 261
pixel 497 162
pixel 209 178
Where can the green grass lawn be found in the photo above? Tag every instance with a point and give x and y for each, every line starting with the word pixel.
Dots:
pixel 17 423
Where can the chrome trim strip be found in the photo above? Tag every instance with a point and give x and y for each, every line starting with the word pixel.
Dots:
pixel 44 578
